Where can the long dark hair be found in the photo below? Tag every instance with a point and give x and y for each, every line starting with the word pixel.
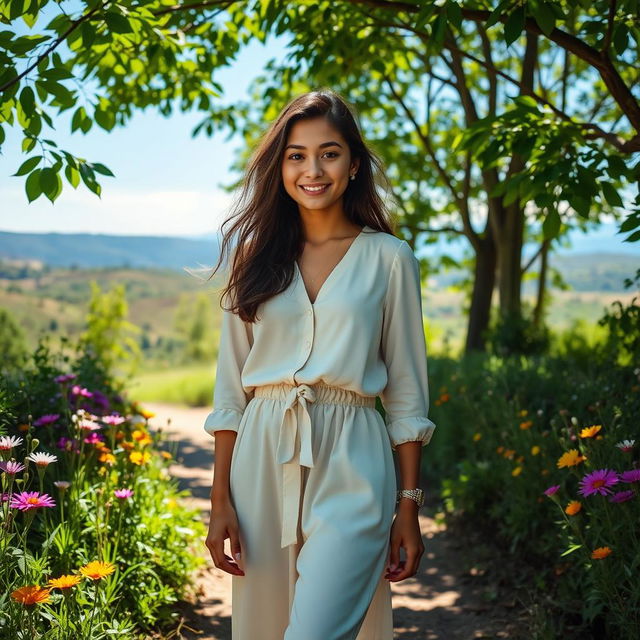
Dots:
pixel 265 218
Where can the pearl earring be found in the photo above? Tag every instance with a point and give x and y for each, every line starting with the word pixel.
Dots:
pixel 353 176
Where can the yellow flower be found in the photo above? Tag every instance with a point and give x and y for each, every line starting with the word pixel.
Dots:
pixel 32 594
pixel 139 457
pixel 97 569
pixel 523 413
pixel 516 471
pixel 590 432
pixel 600 552
pixel 166 455
pixel 573 507
pixel 65 582
pixel 527 424
pixel 141 437
pixel 147 414
pixel 570 459
pixel 477 436
pixel 535 450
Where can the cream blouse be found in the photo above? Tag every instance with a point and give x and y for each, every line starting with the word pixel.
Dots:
pixel 364 332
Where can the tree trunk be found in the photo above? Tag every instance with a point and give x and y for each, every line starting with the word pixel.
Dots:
pixel 483 285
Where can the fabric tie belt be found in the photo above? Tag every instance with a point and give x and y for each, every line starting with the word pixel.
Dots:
pixel 296 427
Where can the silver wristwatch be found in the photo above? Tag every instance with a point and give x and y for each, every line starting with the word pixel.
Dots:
pixel 414 494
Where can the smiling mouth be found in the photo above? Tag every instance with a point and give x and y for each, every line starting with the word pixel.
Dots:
pixel 312 191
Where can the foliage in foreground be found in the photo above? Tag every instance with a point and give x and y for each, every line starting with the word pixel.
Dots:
pixel 545 453
pixel 93 540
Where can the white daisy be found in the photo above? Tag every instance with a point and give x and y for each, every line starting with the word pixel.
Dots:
pixel 41 458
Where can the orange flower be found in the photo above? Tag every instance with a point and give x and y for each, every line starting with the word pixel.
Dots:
pixel 65 582
pixel 590 432
pixel 600 552
pixel 573 507
pixel 32 594
pixel 509 453
pixel 97 569
pixel 570 459
pixel 166 455
pixel 477 436
pixel 107 458
pixel 527 424
pixel 499 449
pixel 128 446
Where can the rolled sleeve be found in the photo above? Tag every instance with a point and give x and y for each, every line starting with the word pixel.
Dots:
pixel 229 396
pixel 406 396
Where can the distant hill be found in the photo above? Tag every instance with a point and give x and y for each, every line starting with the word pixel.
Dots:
pixel 88 250
pixel 585 266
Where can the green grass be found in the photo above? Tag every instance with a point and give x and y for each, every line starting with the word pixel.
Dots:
pixel 190 385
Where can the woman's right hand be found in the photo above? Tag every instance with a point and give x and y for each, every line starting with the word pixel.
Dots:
pixel 223 524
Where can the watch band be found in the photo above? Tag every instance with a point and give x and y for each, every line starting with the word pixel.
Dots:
pixel 415 494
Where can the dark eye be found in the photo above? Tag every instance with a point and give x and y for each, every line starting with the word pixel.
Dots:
pixel 293 154
pixel 333 152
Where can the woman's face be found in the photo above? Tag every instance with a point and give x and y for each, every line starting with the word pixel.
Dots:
pixel 316 155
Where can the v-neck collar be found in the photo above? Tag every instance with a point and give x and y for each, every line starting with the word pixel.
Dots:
pixel 331 273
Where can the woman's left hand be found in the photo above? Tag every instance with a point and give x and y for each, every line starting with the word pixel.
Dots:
pixel 405 532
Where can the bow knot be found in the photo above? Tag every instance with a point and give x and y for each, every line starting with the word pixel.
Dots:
pixel 295 428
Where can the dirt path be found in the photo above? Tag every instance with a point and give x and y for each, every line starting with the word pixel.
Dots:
pixel 454 596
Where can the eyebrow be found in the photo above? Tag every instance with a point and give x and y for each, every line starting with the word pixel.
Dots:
pixel 322 146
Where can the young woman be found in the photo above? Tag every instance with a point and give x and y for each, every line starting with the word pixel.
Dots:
pixel 325 316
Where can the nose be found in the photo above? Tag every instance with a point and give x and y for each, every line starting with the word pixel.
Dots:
pixel 314 168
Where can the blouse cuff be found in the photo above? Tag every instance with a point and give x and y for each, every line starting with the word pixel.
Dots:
pixel 222 419
pixel 413 429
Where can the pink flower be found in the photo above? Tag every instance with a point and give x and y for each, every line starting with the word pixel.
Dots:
pixel 113 420
pixel 123 493
pixel 622 496
pixel 77 390
pixel 598 482
pixel 26 500
pixel 633 475
pixel 47 419
pixel 11 467
pixel 551 490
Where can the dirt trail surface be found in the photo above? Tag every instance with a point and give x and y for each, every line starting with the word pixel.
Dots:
pixel 454 596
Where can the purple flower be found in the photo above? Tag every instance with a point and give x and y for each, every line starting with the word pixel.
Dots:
pixel 551 490
pixel 598 482
pixel 622 496
pixel 49 418
pixel 94 437
pixel 11 467
pixel 100 400
pixel 66 377
pixel 68 444
pixel 77 390
pixel 633 475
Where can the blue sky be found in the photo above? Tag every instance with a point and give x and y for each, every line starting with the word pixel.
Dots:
pixel 166 183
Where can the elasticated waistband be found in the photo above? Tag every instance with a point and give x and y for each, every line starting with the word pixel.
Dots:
pixel 317 392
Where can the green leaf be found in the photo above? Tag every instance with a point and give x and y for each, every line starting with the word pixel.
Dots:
pixel 117 22
pixel 545 17
pixel 32 185
pixel 611 195
pixel 514 25
pixel 634 237
pixel 100 168
pixel 582 206
pixel 28 165
pixel 48 180
pixel 551 224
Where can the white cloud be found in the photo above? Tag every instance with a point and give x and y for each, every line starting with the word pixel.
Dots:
pixel 118 211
